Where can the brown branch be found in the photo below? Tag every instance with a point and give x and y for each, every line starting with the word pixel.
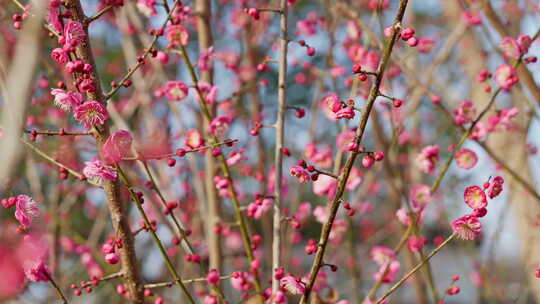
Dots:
pixel 119 212
pixel 334 205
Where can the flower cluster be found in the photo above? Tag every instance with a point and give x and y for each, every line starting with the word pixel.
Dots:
pixel 469 227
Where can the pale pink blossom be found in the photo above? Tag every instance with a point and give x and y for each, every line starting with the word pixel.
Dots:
pixel 510 48
pixel 96 169
pixel 420 195
pixel 117 146
pixel 501 121
pixel 330 105
pixel 300 173
pixel 208 91
pixel 382 255
pixel 292 285
pixel 177 35
pixel 466 158
pixel 205 59
pixel 428 158
pixel 344 139
pixel 147 7
pixel 322 158
pixel 66 100
pixel 354 180
pixel 91 113
pixel 505 76
pixel 479 132
pixel 25 210
pixel 176 90
pixel 241 281
pixel 303 211
pixel 467 227
pixel 325 185
pixel 236 157
pixel 465 113
pixel 220 125
pixel 392 271
pixel 210 299
pixel 258 208
pixel 194 139
pixel 321 214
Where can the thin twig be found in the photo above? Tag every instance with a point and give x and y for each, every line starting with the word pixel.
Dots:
pixel 415 269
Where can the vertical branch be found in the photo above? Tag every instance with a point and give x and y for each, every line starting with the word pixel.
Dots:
pixel 204 29
pixel 280 130
pixel 15 89
pixel 119 213
pixel 344 176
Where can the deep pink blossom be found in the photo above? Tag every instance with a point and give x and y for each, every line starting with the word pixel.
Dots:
pixel 96 169
pixel 59 55
pixel 91 113
pixel 213 277
pixel 346 113
pixel 74 33
pixel 53 17
pixel 475 197
pixel 416 243
pixel 495 188
pixel 36 271
pixel 117 146
pixel 25 210
pixel 467 227
pixel 524 42
pixel 425 44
